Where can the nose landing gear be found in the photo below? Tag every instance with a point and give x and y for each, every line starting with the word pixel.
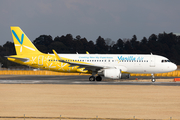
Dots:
pixel 153 78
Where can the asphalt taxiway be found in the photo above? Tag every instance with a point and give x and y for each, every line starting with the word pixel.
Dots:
pixel 81 80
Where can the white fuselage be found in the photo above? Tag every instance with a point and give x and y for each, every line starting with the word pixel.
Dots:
pixel 131 63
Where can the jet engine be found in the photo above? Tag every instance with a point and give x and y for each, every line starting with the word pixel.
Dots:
pixel 113 74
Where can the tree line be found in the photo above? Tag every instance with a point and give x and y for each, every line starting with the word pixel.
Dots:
pixel 165 44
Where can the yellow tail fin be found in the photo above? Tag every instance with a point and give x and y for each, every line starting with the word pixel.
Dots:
pixel 22 43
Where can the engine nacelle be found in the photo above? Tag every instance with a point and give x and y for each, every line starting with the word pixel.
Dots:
pixel 114 74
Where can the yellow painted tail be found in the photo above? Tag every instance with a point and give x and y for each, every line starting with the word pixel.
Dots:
pixel 22 43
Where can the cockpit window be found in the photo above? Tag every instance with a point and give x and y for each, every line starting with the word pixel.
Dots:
pixel 163 61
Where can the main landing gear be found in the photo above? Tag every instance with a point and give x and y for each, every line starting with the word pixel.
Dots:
pixel 92 78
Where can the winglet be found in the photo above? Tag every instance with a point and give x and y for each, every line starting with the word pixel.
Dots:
pixel 87 52
pixel 57 56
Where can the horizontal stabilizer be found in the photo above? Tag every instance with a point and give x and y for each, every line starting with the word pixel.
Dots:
pixel 23 59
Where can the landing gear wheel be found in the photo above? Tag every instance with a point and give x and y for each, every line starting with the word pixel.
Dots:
pixel 91 78
pixel 98 78
pixel 153 80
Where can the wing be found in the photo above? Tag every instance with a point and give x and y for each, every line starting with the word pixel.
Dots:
pixel 87 66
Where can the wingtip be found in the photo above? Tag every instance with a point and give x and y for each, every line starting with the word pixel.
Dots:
pixel 87 52
pixel 54 52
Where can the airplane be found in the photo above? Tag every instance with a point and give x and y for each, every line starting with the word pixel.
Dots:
pixel 113 66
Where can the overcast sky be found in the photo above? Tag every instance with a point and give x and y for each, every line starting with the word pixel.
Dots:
pixel 112 19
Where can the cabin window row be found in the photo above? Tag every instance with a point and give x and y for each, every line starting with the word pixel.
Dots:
pixel 103 60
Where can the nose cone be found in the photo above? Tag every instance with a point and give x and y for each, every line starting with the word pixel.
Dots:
pixel 173 67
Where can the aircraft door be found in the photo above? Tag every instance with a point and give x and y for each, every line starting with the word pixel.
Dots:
pixel 40 60
pixel 152 61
